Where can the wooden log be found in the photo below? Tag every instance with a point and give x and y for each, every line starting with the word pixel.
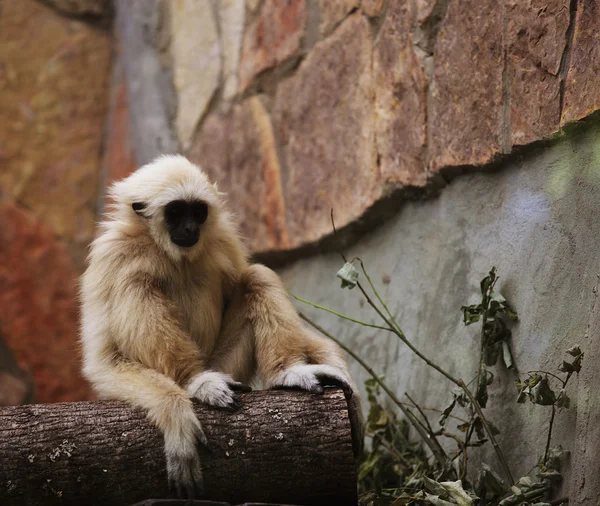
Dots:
pixel 280 447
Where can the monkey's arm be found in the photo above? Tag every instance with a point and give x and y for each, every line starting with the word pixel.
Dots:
pixel 147 330
pixel 287 353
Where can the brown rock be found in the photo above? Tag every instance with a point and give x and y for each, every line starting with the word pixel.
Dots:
pixel 38 292
pixel 53 102
pixel 466 92
pixel 400 99
pixel 372 8
pixel 582 92
pixel 536 38
pixel 323 117
pixel 332 12
pixel 81 7
pixel 119 156
pixel 274 35
pixel 13 390
pixel 238 152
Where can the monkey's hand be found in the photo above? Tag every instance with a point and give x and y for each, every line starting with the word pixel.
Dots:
pixel 216 389
pixel 313 377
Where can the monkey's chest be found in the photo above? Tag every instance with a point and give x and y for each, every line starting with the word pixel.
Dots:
pixel 200 309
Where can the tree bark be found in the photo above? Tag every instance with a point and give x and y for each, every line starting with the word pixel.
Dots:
pixel 281 446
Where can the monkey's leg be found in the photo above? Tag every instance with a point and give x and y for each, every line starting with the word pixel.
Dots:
pixel 287 353
pixel 169 407
pixel 234 350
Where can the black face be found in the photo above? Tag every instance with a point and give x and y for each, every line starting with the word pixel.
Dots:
pixel 183 221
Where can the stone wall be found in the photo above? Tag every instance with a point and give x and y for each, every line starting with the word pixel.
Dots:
pixel 468 127
pixel 54 68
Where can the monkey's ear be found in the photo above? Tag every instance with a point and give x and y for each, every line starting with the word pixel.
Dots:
pixel 138 207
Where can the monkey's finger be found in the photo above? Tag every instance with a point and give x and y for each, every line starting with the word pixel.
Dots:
pixel 326 380
pixel 201 438
pixel 239 387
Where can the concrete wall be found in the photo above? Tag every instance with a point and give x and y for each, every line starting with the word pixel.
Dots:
pixel 537 220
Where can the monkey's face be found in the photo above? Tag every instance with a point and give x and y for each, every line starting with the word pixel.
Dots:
pixel 184 220
pixel 173 201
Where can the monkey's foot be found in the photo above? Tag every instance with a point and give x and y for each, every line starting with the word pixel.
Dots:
pixel 313 377
pixel 185 475
pixel 216 389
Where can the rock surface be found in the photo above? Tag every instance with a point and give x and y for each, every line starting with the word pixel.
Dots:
pixel 323 118
pixel 38 296
pixel 196 61
pixel 400 100
pixel 466 93
pixel 53 103
pixel 81 7
pixel 272 37
pixel 246 167
pixel 582 93
pixel 536 39
pixel 332 12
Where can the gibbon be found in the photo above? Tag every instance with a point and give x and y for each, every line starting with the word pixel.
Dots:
pixel 172 311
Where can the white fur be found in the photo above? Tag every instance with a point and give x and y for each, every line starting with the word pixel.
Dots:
pixel 212 388
pixel 306 376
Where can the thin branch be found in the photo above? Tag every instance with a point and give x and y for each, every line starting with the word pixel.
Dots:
pixel 490 434
pixel 433 444
pixel 459 382
pixel 341 315
pixel 429 428
pixel 544 372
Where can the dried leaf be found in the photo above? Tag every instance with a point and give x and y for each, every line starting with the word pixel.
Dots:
pixel 542 394
pixel 563 400
pixel 507 355
pixel 456 492
pixel 349 276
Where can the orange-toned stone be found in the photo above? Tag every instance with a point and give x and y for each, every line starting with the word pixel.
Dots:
pixel 372 8
pixel 81 7
pixel 400 99
pixel 536 39
pixel 274 35
pixel 238 152
pixel 39 317
pixel 323 117
pixel 332 12
pixel 53 103
pixel 119 154
pixel 582 92
pixel 466 91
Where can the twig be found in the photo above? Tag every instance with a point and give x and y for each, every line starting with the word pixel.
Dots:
pixel 341 315
pixel 549 438
pixel 490 434
pixel 544 372
pixel 418 408
pixel 433 444
pixel 459 382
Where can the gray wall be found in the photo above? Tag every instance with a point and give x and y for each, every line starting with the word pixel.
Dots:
pixel 536 219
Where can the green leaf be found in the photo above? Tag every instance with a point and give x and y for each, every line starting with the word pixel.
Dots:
pixel 471 314
pixel 349 276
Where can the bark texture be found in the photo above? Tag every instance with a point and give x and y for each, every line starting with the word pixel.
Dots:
pixel 281 446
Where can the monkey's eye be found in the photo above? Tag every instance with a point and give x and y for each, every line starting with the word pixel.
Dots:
pixel 200 211
pixel 138 206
